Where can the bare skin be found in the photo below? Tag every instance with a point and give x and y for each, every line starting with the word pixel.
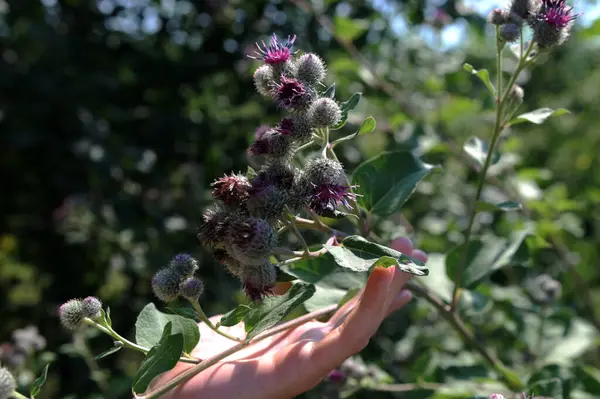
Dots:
pixel 296 360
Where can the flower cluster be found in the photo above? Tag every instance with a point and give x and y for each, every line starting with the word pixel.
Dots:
pixel 550 20
pixel 25 341
pixel 240 228
pixel 177 279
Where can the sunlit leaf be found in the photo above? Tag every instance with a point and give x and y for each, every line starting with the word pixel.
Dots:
pixel 478 149
pixel 483 206
pixel 161 358
pixel 484 256
pixel 482 74
pixel 274 309
pixel 538 116
pixel 151 322
pixel 346 107
pixel 234 316
pixel 36 385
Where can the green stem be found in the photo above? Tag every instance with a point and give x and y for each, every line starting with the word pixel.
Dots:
pixel 317 225
pixel 291 221
pixel 305 146
pixel 498 127
pixel 17 395
pixel 188 374
pixel 510 378
pixel 202 316
pixel 539 344
pixel 126 343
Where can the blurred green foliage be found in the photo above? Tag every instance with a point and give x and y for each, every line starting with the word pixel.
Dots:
pixel 115 116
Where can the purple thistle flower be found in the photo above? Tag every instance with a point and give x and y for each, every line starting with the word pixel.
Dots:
pixel 232 190
pixel 276 52
pixel 286 126
pixel 255 292
pixel 556 12
pixel 327 197
pixel 291 93
pixel 260 131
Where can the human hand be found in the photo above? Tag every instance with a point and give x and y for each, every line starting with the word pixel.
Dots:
pixel 296 360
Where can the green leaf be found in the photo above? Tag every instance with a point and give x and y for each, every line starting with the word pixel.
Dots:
pixel 346 107
pixel 251 173
pixel 330 92
pixel 275 309
pixel 485 256
pixel 388 180
pixel 151 322
pixel 117 347
pixel 234 316
pixel 589 377
pixel 184 312
pixel 283 277
pixel 367 126
pixel 36 386
pixel 483 206
pixel 551 381
pixel 477 150
pixel 538 116
pixel 482 74
pixel 360 255
pixel 105 316
pixel 349 29
pixel 161 358
pixel 332 282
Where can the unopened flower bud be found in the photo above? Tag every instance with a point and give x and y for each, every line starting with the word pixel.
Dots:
pixel 192 288
pixel 92 306
pixel 280 174
pixel 510 32
pixel 322 170
pixel 258 280
pixel 336 376
pixel 419 255
pixel 232 265
pixel 251 240
pixel 72 313
pixel 264 80
pixel 183 265
pixel 524 9
pixel 267 202
pixel 213 232
pixel 7 383
pixel 273 143
pixel 498 16
pixel 310 68
pixel 324 112
pixel 517 94
pixel 165 285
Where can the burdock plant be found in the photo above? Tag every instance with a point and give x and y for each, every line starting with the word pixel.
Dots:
pixel 256 226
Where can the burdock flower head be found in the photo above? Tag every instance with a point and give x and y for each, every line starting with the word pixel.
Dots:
pixel 231 190
pixel 276 52
pixel 213 232
pixel 72 313
pixel 274 143
pixel 292 94
pixel 552 23
pixel 329 187
pixel 258 280
pixel 250 240
pixel 7 383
